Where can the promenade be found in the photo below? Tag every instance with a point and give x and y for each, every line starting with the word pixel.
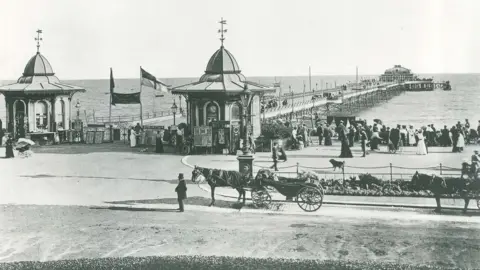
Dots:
pixel 112 174
pixel 109 200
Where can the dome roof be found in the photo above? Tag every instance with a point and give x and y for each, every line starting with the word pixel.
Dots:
pixel 397 69
pixel 222 62
pixel 38 65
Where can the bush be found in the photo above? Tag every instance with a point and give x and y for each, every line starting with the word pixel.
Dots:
pixel 273 131
pixel 206 262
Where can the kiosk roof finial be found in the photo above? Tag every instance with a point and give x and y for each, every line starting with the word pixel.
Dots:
pixel 38 39
pixel 222 22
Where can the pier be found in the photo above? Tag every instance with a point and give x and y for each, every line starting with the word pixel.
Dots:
pixel 299 104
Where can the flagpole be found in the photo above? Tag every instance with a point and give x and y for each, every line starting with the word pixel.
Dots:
pixel 110 107
pixel 141 107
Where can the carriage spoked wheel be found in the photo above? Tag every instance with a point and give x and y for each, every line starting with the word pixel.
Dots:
pixel 261 197
pixel 185 150
pixel 478 199
pixel 310 199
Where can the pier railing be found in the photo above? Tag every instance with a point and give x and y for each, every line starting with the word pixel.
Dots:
pixel 389 172
pixel 129 118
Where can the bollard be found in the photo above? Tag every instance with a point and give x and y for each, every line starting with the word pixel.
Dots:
pixel 297 168
pixel 391 174
pixel 440 168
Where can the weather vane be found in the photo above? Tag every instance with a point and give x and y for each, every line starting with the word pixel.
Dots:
pixel 221 31
pixel 38 39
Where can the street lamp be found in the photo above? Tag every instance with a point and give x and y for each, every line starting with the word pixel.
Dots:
pixel 78 109
pixel 245 161
pixel 174 110
pixel 246 98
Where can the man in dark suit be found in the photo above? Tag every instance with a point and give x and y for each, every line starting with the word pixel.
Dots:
pixel 363 140
pixel 274 156
pixel 181 190
pixel 320 134
pixel 395 136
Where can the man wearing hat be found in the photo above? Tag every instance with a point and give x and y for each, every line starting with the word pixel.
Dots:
pixel 475 163
pixel 363 139
pixel 181 190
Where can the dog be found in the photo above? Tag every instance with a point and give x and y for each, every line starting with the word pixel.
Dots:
pixel 337 164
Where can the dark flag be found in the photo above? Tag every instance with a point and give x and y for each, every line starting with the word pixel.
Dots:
pixel 133 98
pixel 112 85
pixel 118 98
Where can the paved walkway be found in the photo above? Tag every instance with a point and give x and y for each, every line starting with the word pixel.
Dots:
pixel 109 174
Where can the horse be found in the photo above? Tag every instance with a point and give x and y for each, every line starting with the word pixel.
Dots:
pixel 439 185
pixel 222 178
pixel 470 170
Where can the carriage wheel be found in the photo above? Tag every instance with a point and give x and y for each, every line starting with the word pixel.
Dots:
pixel 310 199
pixel 392 150
pixel 478 200
pixel 185 150
pixel 261 198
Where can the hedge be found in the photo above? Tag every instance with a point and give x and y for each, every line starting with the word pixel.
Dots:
pixel 207 262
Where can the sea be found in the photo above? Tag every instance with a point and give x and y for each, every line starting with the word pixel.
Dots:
pixel 411 108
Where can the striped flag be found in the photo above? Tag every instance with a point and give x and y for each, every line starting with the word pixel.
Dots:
pixel 150 81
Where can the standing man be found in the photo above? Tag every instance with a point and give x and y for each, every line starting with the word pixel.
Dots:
pixel 181 190
pixel 320 133
pixel 351 135
pixel 395 136
pixel 363 140
pixel 274 157
pixel 138 129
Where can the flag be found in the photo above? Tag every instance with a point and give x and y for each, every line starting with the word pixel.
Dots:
pixel 112 82
pixel 133 98
pixel 150 81
pixel 112 85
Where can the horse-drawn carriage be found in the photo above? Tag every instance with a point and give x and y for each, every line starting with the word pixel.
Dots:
pixel 308 195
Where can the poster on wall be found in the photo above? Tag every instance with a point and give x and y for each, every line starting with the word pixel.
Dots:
pixel 202 136
pixel 221 136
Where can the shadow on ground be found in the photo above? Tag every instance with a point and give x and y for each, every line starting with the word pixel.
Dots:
pixel 75 177
pixel 116 147
pixel 199 201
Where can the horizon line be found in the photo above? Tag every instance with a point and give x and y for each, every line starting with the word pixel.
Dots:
pixel 256 76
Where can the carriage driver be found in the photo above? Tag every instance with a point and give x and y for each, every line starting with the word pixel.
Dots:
pixel 475 163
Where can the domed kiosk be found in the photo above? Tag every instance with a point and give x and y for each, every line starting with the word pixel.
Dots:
pixel 222 103
pixel 38 104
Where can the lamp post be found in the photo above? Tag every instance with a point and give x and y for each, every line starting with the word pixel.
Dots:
pixel 78 109
pixel 245 161
pixel 174 110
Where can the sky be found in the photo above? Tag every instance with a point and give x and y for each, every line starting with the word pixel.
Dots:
pixel 83 39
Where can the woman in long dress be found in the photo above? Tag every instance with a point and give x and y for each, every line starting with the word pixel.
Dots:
pixel 9 148
pixel 411 136
pixel 421 148
pixel 345 151
pixel 133 140
pixel 461 141
pixel 327 133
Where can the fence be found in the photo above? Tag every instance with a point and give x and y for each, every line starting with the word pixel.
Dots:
pixel 91 118
pixel 389 173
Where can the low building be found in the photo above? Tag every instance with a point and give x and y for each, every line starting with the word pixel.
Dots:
pixel 221 99
pixel 38 104
pixel 397 74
